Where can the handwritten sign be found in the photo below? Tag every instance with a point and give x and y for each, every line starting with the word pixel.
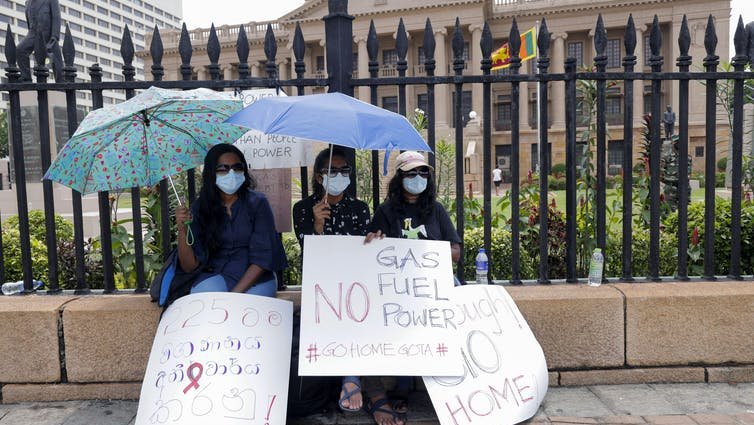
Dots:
pixel 219 358
pixel 265 151
pixel 377 309
pixel 504 370
pixel 276 186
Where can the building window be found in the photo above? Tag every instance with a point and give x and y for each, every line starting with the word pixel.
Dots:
pixel 89 18
pixel 115 16
pixel 422 102
pixel 20 7
pixel 89 31
pixel 503 114
pixel 355 62
pixel 74 12
pixel 535 156
pixel 390 58
pixel 699 151
pixel 576 51
pixel 647 51
pixel 88 5
pixel 320 65
pixel 102 10
pixel 7 19
pixel 103 23
pixel 90 44
pixel 465 108
pixel 613 53
pixel 421 56
pixel 613 110
pixel 390 103
pixel 614 157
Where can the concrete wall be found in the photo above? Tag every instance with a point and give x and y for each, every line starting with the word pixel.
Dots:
pixel 69 347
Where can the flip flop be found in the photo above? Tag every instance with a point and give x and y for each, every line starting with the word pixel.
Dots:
pixel 375 407
pixel 347 394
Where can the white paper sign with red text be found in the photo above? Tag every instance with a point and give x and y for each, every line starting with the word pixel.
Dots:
pixel 505 373
pixel 219 358
pixel 380 308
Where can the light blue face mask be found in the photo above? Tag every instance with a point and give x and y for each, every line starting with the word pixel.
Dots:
pixel 415 185
pixel 230 182
pixel 336 185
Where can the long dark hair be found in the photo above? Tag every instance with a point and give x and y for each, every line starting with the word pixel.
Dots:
pixel 320 162
pixel 211 212
pixel 425 201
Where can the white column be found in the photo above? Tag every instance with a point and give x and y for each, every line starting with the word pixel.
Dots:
pixel 228 72
pixel 474 68
pixel 558 88
pixel 639 84
pixel 254 68
pixel 363 65
pixel 201 73
pixel 442 99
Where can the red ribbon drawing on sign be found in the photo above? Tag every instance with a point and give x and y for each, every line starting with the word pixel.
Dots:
pixel 194 379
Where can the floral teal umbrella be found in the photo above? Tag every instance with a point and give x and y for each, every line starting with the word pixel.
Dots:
pixel 145 139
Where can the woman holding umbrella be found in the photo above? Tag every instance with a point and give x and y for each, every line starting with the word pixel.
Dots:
pixel 412 212
pixel 236 242
pixel 329 211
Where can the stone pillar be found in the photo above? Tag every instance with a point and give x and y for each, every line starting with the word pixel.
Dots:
pixel 228 72
pixel 477 101
pixel 558 88
pixel 254 68
pixel 442 98
pixel 639 85
pixel 324 53
pixel 363 65
pixel 201 73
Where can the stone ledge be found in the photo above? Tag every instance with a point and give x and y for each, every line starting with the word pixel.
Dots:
pixel 704 323
pixel 730 374
pixel 576 325
pixel 632 376
pixel 108 338
pixel 19 393
pixel 30 350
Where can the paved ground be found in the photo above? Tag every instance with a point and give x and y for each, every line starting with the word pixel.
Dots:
pixel 660 404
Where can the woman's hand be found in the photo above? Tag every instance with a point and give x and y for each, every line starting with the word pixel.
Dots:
pixel 321 213
pixel 373 235
pixel 182 216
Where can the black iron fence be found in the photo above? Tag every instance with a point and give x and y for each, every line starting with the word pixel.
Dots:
pixel 339 42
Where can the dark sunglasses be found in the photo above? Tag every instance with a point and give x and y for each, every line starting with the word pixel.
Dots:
pixel 335 171
pixel 424 172
pixel 224 168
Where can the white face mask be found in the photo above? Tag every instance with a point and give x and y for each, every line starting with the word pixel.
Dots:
pixel 230 182
pixel 336 185
pixel 415 185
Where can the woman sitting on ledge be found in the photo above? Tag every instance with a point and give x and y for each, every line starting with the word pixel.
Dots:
pixel 236 243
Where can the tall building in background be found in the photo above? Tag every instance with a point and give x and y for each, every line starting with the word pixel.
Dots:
pixel 97 27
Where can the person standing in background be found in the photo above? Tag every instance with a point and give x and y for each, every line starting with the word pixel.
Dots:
pixel 497 179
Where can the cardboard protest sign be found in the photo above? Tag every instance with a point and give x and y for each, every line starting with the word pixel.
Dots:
pixel 377 309
pixel 265 151
pixel 504 369
pixel 219 357
pixel 276 186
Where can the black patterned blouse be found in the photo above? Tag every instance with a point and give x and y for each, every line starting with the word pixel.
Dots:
pixel 348 217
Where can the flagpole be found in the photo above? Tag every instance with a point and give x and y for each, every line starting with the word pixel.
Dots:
pixel 539 124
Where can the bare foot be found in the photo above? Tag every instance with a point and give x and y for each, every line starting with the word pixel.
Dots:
pixel 354 400
pixel 383 413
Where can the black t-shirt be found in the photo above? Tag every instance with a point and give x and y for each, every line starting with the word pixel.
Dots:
pixel 348 217
pixel 398 220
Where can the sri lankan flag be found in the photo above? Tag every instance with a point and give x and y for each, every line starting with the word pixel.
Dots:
pixel 501 58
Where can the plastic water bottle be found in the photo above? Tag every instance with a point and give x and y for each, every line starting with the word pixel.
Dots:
pixel 482 266
pixel 596 265
pixel 12 288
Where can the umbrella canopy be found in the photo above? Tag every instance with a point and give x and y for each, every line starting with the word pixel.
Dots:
pixel 145 139
pixel 332 118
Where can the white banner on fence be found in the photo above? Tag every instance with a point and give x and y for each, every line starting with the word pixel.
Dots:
pixel 265 151
pixel 219 357
pixel 377 309
pixel 504 369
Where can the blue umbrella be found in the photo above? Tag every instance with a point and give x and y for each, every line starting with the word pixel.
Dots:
pixel 332 118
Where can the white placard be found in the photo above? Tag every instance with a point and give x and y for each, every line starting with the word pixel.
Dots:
pixel 377 309
pixel 505 373
pixel 219 357
pixel 266 151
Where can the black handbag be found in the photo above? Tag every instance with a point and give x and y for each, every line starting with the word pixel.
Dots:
pixel 171 282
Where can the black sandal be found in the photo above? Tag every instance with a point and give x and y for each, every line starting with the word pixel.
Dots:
pixel 377 406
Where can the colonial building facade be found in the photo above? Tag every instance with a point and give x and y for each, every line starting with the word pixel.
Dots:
pixel 571 24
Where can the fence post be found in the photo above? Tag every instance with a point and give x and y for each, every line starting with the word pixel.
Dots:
pixel 339 51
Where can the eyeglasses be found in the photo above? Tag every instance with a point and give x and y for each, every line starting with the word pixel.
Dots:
pixel 225 168
pixel 424 172
pixel 335 171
